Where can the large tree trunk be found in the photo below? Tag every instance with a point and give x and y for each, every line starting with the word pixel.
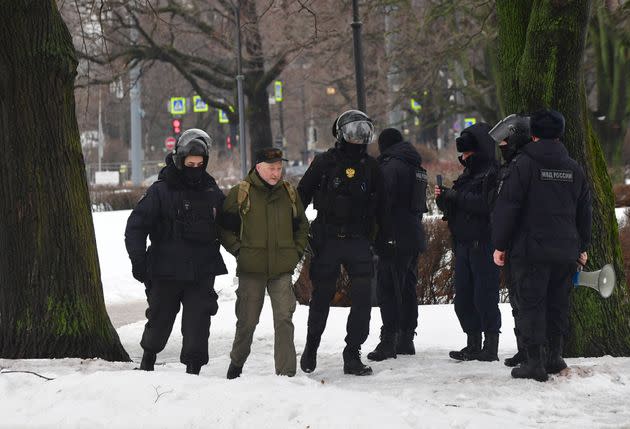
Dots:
pixel 51 297
pixel 541 51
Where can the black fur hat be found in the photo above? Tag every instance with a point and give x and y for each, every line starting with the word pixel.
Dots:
pixel 547 124
pixel 466 142
pixel 389 137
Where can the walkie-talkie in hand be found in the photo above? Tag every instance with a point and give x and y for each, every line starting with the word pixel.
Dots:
pixel 439 180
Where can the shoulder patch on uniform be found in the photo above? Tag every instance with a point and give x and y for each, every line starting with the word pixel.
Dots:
pixel 422 175
pixel 556 175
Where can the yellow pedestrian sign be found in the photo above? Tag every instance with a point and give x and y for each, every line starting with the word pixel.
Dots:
pixel 277 86
pixel 223 118
pixel 469 122
pixel 199 105
pixel 178 106
pixel 415 106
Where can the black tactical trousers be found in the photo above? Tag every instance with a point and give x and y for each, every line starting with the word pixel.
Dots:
pixel 477 288
pixel 511 287
pixel 199 302
pixel 542 297
pixel 357 259
pixel 396 291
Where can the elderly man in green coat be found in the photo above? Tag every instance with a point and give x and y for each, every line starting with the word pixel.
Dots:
pixel 265 227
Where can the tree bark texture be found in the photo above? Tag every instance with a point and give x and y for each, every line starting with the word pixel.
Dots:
pixel 542 67
pixel 613 94
pixel 51 297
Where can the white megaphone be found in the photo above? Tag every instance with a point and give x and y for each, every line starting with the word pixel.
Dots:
pixel 603 281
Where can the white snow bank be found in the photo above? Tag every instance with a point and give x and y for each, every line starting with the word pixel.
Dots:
pixel 427 390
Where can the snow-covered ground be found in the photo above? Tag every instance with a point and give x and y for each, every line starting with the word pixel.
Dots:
pixel 425 390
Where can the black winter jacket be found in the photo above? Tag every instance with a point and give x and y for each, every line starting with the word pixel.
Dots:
pixel 399 163
pixel 543 212
pixel 180 222
pixel 469 215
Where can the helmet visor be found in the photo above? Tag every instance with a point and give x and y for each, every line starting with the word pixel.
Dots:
pixel 507 127
pixel 358 132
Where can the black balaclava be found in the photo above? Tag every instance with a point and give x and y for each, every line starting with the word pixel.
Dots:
pixel 475 162
pixel 514 143
pixel 352 150
pixel 193 175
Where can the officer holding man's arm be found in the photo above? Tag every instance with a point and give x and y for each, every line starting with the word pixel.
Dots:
pixel 179 213
pixel 543 218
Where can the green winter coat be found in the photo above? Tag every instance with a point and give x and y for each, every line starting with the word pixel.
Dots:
pixel 267 244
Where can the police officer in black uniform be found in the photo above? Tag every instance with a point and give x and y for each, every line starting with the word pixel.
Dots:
pixel 406 187
pixel 511 134
pixel 467 209
pixel 542 218
pixel 347 187
pixel 178 213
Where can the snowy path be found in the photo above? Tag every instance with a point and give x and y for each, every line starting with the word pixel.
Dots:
pixel 428 390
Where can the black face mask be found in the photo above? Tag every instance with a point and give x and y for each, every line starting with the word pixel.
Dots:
pixel 507 152
pixel 474 162
pixel 353 150
pixel 193 175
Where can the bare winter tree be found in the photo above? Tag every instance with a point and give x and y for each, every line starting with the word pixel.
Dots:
pixel 197 38
pixel 51 297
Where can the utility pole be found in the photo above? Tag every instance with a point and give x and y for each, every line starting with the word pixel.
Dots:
pixel 239 89
pixel 395 115
pixel 304 127
pixel 281 113
pixel 137 175
pixel 100 131
pixel 358 56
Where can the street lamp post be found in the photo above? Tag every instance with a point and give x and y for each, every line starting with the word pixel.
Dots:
pixel 358 56
pixel 239 89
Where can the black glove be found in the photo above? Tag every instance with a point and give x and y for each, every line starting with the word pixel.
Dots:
pixel 139 269
pixel 446 199
pixel 449 195
pixel 387 249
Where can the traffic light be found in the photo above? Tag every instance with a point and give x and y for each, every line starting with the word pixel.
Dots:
pixel 177 126
pixel 228 143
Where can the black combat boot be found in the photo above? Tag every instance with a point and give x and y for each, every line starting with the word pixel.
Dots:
pixel 534 366
pixel 520 355
pixel 308 361
pixel 148 361
pixel 473 347
pixel 352 362
pixel 386 349
pixel 405 342
pixel 234 371
pixel 193 368
pixel 555 363
pixel 489 352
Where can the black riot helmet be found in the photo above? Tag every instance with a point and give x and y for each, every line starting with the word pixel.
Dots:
pixel 354 127
pixel 509 126
pixel 192 142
